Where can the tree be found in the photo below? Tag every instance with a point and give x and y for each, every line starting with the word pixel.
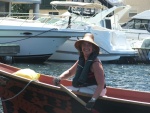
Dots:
pixel 21 8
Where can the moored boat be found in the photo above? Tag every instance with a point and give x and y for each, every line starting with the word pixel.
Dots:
pixel 112 43
pixel 37 41
pixel 23 95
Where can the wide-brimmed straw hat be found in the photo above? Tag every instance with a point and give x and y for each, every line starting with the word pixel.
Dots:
pixel 88 37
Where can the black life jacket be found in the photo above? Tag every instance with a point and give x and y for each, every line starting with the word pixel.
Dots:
pixel 83 70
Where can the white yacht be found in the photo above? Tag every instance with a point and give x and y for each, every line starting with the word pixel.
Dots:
pixel 37 41
pixel 112 43
pixel 138 28
pixel 138 34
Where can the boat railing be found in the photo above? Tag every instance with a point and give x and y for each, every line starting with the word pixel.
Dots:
pixel 64 20
pixel 23 18
pixel 44 19
pixel 15 15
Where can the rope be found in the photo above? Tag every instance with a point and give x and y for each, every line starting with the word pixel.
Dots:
pixel 18 92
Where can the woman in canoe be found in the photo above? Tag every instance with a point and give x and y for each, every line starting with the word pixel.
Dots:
pixel 87 71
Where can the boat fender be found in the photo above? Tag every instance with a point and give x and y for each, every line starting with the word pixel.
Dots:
pixel 27 73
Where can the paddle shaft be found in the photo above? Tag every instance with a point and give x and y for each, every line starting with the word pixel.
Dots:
pixel 72 94
pixel 76 97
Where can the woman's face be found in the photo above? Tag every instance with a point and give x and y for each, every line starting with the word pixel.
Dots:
pixel 87 48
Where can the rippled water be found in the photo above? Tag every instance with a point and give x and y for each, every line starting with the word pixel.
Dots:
pixel 136 77
pixel 128 76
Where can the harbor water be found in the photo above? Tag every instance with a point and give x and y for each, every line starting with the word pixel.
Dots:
pixel 127 76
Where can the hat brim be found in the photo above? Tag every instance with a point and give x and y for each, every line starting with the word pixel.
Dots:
pixel 78 45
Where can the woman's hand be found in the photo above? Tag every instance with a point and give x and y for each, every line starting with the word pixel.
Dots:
pixel 90 104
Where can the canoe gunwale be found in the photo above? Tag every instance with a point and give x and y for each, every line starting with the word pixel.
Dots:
pixel 125 101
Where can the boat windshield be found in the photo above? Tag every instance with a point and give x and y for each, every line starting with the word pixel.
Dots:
pixel 140 24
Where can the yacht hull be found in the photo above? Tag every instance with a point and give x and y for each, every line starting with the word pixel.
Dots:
pixel 36 45
pixel 112 46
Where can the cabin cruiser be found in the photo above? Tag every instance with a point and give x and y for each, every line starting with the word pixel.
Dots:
pixel 138 33
pixel 138 27
pixel 113 44
pixel 137 30
pixel 37 41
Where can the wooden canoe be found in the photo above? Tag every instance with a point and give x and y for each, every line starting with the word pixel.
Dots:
pixel 21 95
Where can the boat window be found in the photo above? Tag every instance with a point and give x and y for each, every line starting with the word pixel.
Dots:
pixel 128 25
pixel 141 24
pixel 137 24
pixel 144 23
pixel 108 23
pixel 148 26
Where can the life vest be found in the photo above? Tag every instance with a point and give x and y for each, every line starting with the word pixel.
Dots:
pixel 83 70
pixel 91 80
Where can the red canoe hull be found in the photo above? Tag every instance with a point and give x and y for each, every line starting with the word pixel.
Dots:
pixel 20 95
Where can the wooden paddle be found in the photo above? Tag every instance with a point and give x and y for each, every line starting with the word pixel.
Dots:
pixel 73 95
pixel 76 97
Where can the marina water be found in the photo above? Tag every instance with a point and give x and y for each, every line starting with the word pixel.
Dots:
pixel 128 76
